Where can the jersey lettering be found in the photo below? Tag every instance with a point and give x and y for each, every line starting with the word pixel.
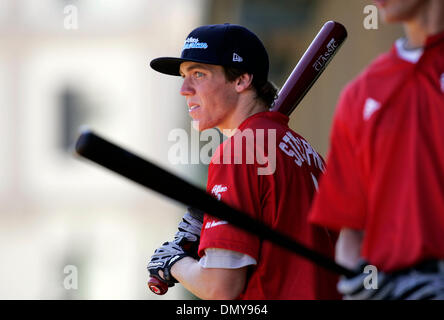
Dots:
pixel 301 150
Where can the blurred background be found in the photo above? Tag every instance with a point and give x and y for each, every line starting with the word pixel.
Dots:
pixel 72 230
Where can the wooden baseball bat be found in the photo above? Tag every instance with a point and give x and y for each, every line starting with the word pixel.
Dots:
pixel 317 56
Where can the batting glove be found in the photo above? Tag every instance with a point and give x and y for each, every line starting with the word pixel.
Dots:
pixel 190 227
pixel 358 288
pixel 163 259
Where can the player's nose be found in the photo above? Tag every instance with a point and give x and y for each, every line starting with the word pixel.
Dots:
pixel 186 89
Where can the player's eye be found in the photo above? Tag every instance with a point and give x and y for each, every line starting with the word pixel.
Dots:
pixel 198 74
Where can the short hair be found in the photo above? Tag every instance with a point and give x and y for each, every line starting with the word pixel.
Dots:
pixel 266 91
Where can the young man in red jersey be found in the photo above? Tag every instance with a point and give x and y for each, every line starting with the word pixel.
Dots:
pixel 384 183
pixel 225 83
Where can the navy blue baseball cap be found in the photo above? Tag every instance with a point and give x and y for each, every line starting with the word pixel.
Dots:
pixel 226 44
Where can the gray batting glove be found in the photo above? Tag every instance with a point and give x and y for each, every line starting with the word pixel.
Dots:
pixel 358 288
pixel 163 259
pixel 190 227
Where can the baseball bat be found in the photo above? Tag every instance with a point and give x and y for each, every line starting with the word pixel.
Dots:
pixel 113 157
pixel 311 65
pixel 314 61
pixel 304 75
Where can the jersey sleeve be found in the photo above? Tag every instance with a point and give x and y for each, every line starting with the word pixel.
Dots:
pixel 237 186
pixel 340 201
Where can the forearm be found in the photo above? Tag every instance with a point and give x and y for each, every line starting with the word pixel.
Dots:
pixel 209 283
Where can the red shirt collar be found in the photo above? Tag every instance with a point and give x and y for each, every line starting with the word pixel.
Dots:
pixel 409 55
pixel 272 115
pixel 431 40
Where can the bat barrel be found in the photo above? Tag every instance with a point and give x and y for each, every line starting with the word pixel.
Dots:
pixel 311 65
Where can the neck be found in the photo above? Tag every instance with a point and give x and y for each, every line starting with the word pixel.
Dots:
pixel 247 106
pixel 426 22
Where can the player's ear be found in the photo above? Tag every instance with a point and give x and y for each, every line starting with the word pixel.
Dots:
pixel 243 82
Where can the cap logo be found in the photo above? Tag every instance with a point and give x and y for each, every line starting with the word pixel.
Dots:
pixel 193 43
pixel 237 58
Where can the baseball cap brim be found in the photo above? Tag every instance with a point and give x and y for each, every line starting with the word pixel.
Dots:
pixel 225 45
pixel 170 65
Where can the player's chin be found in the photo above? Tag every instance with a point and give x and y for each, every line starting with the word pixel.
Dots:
pixel 200 125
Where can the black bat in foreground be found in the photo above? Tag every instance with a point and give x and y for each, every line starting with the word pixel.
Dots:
pixel 147 174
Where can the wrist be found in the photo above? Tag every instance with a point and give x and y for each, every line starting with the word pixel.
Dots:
pixel 177 269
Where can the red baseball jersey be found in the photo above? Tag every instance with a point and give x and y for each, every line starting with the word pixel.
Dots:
pixel 385 168
pixel 276 186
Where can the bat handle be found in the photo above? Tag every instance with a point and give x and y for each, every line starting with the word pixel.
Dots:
pixel 157 286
